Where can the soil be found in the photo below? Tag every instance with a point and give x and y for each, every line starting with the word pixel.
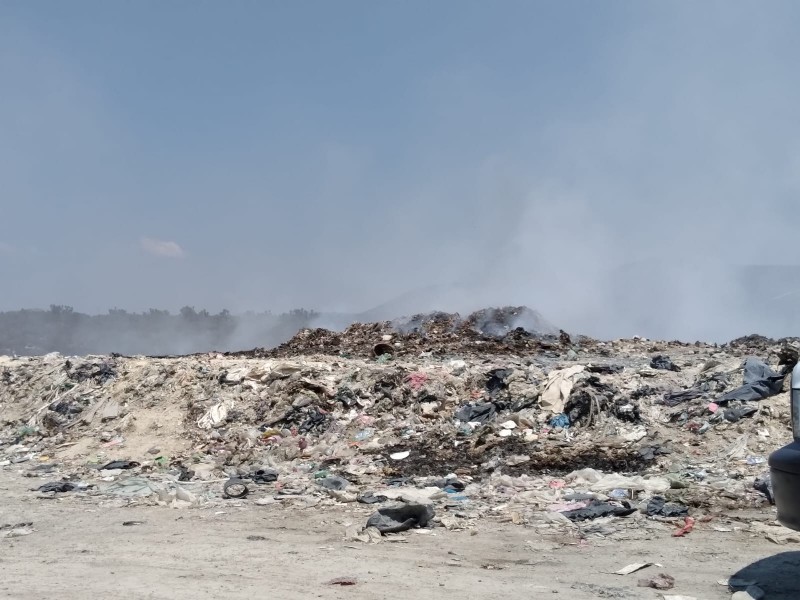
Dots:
pixel 80 550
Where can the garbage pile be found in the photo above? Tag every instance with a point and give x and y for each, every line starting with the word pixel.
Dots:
pixel 435 423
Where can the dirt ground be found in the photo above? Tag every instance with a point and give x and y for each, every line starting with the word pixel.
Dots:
pixel 80 549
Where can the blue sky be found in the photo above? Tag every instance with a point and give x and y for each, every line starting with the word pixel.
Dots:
pixel 336 155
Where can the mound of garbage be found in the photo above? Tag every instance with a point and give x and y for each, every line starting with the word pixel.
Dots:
pixel 436 421
pixel 487 331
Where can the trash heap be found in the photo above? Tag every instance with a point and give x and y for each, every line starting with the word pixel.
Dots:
pixel 433 421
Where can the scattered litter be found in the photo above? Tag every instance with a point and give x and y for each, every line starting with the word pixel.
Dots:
pixel 18 530
pixel 58 487
pixel 343 581
pixel 132 523
pixel 662 581
pixel 597 508
pixel 632 568
pixel 688 526
pixel 119 464
pixel 235 488
pixel 401 517
pixel 658 506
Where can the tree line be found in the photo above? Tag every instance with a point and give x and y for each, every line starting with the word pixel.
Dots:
pixel 154 332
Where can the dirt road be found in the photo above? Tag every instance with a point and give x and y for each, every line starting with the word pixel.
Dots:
pixel 80 549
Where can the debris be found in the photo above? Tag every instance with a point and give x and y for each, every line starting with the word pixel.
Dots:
pixel 632 568
pixel 759 382
pixel 688 526
pixel 370 498
pixel 119 464
pixel 658 506
pixel 334 483
pixel 664 363
pixel 764 485
pixel 343 581
pixel 132 523
pixel 477 413
pixel 132 487
pixel 558 388
pixel 256 538
pixel 400 455
pixel 58 487
pixel 235 488
pixel 264 476
pixel 18 530
pixel 597 508
pixel 401 517
pixel 216 415
pixel 662 581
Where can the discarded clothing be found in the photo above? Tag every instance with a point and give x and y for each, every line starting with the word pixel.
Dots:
pixel 59 487
pixel 481 413
pixel 759 382
pixel 597 508
pixel 401 517
pixel 658 506
pixel 558 388
pixel 664 363
pixel 675 398
pixel 559 421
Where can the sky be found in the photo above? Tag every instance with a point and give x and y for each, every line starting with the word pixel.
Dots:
pixel 606 163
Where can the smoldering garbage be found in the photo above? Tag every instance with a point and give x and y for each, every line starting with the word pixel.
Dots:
pixel 526 425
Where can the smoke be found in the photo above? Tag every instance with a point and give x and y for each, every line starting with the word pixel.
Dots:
pixel 626 170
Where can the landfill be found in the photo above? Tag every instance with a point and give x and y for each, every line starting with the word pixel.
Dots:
pixel 437 421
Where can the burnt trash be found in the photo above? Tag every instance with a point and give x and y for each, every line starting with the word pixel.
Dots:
pixel 119 464
pixel 664 363
pixel 183 472
pixel 675 398
pixel 401 517
pixel 649 453
pixel 659 507
pixel 605 369
pixel 346 397
pixel 736 413
pixel 495 380
pixel 100 372
pixel 264 475
pixel 598 508
pixel 334 483
pixel 480 412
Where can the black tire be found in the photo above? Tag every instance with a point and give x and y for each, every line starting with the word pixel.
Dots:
pixel 235 488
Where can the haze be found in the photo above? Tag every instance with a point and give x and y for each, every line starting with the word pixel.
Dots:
pixel 622 167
